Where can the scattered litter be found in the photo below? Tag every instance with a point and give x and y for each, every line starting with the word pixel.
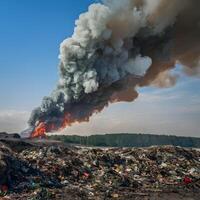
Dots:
pixel 47 171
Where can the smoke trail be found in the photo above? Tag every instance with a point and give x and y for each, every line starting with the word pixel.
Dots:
pixel 116 46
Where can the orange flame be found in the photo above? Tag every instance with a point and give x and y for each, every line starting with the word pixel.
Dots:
pixel 66 121
pixel 39 131
pixel 42 128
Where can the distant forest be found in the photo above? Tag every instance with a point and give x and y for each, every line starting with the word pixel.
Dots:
pixel 128 140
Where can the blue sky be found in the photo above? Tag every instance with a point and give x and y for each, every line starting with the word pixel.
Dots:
pixel 30 34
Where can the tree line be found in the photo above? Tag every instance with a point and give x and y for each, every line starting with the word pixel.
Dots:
pixel 128 140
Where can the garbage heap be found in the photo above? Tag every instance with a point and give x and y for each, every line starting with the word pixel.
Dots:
pixel 59 172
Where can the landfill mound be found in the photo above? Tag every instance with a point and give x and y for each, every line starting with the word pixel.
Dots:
pixel 55 171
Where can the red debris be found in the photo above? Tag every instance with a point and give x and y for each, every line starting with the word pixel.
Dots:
pixel 86 175
pixel 187 180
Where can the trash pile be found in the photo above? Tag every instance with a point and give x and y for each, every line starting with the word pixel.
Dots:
pixel 61 172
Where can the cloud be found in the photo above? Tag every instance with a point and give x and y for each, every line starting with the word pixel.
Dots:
pixel 13 120
pixel 158 97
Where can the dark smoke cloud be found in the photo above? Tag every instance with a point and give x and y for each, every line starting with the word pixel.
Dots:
pixel 116 46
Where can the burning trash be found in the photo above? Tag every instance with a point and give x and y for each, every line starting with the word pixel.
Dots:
pixel 39 131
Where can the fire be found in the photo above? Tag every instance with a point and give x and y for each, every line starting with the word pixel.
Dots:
pixel 42 128
pixel 66 121
pixel 39 131
pixel 52 127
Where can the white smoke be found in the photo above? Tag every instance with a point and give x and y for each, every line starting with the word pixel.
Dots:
pixel 96 53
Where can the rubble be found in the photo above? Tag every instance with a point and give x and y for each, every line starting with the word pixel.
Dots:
pixel 10 135
pixel 61 172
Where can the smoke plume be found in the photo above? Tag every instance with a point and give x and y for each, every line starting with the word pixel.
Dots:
pixel 117 46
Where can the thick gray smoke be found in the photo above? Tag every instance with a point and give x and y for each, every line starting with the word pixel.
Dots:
pixel 116 46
